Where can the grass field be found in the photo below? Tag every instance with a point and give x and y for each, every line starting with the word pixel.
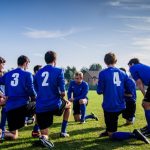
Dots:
pixel 83 136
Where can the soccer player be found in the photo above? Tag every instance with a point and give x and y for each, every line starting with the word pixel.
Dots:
pixel 130 99
pixel 77 93
pixel 141 74
pixel 50 87
pixel 18 88
pixel 36 129
pixel 112 83
pixel 3 111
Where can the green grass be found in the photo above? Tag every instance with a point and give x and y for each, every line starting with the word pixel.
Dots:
pixel 84 136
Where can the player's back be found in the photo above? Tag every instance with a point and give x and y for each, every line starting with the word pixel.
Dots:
pixel 111 84
pixel 141 71
pixel 18 87
pixel 49 81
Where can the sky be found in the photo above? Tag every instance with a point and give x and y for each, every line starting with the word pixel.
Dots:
pixel 81 32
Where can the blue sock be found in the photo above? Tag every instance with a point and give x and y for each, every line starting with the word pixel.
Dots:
pixel 36 128
pixel 3 119
pixel 64 126
pixel 83 110
pixel 89 117
pixel 122 135
pixel 147 115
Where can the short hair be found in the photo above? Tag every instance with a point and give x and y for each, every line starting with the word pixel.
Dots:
pixel 79 74
pixel 22 59
pixel 123 69
pixel 50 56
pixel 36 68
pixel 134 61
pixel 110 58
pixel 2 60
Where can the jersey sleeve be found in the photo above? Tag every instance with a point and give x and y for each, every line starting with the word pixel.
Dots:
pixel 134 73
pixel 61 81
pixel 84 92
pixel 30 85
pixel 69 93
pixel 100 85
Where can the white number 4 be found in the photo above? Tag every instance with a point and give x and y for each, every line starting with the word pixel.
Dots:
pixel 45 75
pixel 116 79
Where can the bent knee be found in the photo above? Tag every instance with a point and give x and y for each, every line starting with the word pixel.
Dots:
pixel 83 101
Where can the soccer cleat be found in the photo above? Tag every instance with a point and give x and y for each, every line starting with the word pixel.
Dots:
pixel 140 136
pixel 103 134
pixel 94 117
pixel 82 122
pixel 144 129
pixel 64 134
pixel 36 134
pixel 46 143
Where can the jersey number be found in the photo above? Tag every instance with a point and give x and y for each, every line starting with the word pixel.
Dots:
pixel 45 75
pixel 116 79
pixel 15 80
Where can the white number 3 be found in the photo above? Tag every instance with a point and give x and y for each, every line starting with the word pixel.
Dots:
pixel 116 79
pixel 15 80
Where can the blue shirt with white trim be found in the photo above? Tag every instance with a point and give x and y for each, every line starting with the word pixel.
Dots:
pixel 49 83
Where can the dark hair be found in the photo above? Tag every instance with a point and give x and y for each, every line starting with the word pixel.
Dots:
pixel 123 69
pixel 22 59
pixel 134 61
pixel 2 60
pixel 110 58
pixel 36 68
pixel 50 56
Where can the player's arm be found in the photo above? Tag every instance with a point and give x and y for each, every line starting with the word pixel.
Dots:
pixel 69 93
pixel 140 85
pixel 100 85
pixel 30 86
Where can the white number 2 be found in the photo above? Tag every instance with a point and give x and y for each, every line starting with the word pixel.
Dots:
pixel 15 80
pixel 116 79
pixel 45 75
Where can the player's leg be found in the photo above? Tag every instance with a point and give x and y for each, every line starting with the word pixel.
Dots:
pixel 66 115
pixel 3 118
pixel 83 103
pixel 45 120
pixel 15 119
pixel 30 112
pixel 146 106
pixel 76 111
pixel 129 112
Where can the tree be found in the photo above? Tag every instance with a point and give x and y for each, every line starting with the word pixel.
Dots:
pixel 69 73
pixel 84 70
pixel 95 67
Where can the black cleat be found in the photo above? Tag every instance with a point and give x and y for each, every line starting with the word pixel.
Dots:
pixel 94 116
pixel 144 129
pixel 140 136
pixel 103 134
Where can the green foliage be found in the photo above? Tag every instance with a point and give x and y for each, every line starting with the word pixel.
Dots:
pixel 95 67
pixel 84 136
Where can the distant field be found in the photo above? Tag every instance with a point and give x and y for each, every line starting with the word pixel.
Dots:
pixel 84 136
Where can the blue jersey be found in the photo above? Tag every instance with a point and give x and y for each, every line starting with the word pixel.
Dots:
pixel 131 89
pixel 141 71
pixel 79 91
pixel 18 87
pixel 111 84
pixel 49 82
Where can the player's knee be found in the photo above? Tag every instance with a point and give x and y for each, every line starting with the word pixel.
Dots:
pixel 82 101
pixel 146 105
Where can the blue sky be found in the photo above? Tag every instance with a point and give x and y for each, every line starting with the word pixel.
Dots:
pixel 80 31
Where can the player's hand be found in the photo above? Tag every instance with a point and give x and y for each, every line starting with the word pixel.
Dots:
pixel 68 104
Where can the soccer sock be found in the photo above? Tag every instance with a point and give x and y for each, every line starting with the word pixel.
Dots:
pixel 64 126
pixel 122 135
pixel 147 115
pixel 89 117
pixel 36 128
pixel 3 119
pixel 83 109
